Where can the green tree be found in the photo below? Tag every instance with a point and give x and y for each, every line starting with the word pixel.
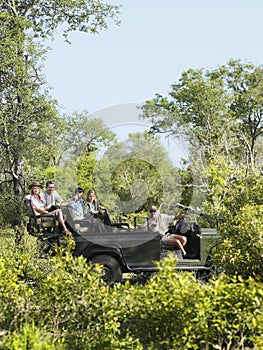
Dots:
pixel 197 107
pixel 246 83
pixel 220 113
pixel 46 16
pixel 139 174
pixel 219 110
pixel 28 117
pixel 241 248
pixel 81 142
pixel 29 122
pixel 84 135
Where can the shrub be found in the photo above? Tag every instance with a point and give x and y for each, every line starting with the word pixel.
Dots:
pixel 241 248
pixel 174 311
pixel 74 302
pixel 62 303
pixel 31 337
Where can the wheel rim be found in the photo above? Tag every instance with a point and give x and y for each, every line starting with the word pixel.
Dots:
pixel 107 275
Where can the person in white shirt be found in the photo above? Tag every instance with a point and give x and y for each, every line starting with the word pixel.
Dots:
pixel 51 197
pixel 39 205
pixel 160 222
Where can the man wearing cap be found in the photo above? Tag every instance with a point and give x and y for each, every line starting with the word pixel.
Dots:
pixel 160 222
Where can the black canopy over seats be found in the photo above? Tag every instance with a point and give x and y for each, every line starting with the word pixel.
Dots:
pixel 107 221
pixel 100 223
pixel 81 226
pixel 40 223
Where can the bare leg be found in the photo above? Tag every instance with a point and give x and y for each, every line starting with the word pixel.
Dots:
pixel 176 240
pixel 61 220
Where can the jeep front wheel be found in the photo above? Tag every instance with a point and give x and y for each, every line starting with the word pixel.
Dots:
pixel 111 268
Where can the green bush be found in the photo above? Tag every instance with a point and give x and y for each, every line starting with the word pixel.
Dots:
pixel 61 302
pixel 174 311
pixel 241 248
pixel 73 301
pixel 20 270
pixel 31 337
pixel 64 297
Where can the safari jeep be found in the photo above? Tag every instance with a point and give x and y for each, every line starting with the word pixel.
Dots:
pixel 122 249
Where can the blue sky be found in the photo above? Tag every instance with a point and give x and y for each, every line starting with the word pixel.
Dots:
pixel 111 73
pixel 155 43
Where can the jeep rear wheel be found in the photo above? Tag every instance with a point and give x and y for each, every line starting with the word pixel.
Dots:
pixel 111 268
pixel 203 275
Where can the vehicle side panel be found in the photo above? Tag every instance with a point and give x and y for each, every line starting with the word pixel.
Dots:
pixel 135 250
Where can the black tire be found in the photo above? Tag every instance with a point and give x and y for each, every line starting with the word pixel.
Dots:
pixel 203 276
pixel 112 268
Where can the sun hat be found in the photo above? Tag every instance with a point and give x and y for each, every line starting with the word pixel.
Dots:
pixel 153 208
pixel 36 184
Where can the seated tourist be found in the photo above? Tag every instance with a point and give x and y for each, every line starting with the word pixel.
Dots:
pixel 38 205
pixel 160 222
pixel 76 204
pixel 51 197
pixel 92 205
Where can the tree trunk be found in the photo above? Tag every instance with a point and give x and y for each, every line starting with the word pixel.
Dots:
pixel 19 192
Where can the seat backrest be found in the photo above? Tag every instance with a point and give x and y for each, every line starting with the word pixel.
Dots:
pixel 82 226
pixel 107 219
pixel 29 208
pixel 108 222
pixel 76 225
pixel 38 221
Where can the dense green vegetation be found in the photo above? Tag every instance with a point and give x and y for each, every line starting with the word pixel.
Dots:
pixel 61 303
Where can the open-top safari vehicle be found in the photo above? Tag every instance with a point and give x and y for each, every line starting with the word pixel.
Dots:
pixel 122 249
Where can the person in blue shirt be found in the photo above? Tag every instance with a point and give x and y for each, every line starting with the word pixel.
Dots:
pixel 77 204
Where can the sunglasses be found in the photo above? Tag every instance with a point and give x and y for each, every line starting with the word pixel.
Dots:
pixel 153 211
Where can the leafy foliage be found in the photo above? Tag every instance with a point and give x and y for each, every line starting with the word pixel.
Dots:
pixel 65 298
pixel 240 251
pixel 139 174
pixel 84 135
pixel 175 312
pixel 219 110
pixel 30 125
pixel 86 16
pixel 62 302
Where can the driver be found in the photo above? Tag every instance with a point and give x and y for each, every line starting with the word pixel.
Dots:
pixel 160 222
